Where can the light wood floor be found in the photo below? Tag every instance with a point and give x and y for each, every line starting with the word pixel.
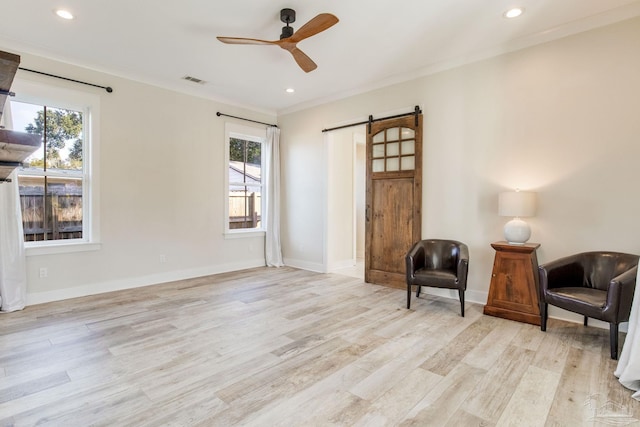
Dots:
pixel 286 347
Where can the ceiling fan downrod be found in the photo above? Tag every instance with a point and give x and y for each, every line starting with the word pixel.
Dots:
pixel 288 16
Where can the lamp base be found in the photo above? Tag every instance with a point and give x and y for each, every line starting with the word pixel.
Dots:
pixel 517 232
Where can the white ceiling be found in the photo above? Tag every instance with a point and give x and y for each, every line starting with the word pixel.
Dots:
pixel 376 42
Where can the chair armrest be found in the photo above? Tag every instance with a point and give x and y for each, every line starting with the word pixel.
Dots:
pixel 620 294
pixel 415 259
pixel 463 264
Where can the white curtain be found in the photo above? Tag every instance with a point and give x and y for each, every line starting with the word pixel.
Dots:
pixel 273 250
pixel 13 273
pixel 628 369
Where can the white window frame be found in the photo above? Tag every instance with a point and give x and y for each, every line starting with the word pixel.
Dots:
pixel 247 133
pixel 89 104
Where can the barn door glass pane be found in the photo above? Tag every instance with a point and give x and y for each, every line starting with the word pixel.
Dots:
pixel 393 164
pixel 408 133
pixel 408 147
pixel 393 149
pixel 393 134
pixel 408 163
pixel 378 165
pixel 378 151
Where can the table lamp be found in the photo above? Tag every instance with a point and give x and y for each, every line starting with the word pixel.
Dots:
pixel 517 204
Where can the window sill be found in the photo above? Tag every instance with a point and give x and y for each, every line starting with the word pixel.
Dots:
pixel 243 234
pixel 60 248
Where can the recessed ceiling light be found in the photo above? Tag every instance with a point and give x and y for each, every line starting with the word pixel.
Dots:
pixel 64 14
pixel 290 90
pixel 513 13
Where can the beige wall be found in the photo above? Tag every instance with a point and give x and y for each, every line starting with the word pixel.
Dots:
pixel 559 119
pixel 162 175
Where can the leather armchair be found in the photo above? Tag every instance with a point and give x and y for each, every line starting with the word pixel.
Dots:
pixel 440 264
pixel 599 285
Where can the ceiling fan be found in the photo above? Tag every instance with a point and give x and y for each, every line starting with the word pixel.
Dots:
pixel 289 39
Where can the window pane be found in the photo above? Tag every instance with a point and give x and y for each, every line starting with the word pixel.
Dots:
pixel 378 165
pixel 378 137
pixel 393 149
pixel 56 216
pixel 393 134
pixel 408 163
pixel 32 204
pixel 408 133
pixel 245 158
pixel 28 118
pixel 62 130
pixel 378 150
pixel 244 207
pixel 63 139
pixel 393 164
pixel 408 147
pixel 254 153
pixel 236 150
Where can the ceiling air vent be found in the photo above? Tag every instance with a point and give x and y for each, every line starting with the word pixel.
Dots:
pixel 194 80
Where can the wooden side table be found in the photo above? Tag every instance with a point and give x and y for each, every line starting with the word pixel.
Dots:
pixel 513 293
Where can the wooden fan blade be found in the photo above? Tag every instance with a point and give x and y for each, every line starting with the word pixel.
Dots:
pixel 313 27
pixel 241 40
pixel 302 59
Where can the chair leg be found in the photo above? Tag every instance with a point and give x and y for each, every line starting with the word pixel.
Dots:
pixel 408 296
pixel 418 291
pixel 586 321
pixel 613 338
pixel 461 293
pixel 543 316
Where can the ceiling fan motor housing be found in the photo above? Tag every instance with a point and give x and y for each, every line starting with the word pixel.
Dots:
pixel 286 32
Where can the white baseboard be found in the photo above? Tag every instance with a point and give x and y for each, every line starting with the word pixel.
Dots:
pixel 305 265
pixel 479 297
pixel 337 265
pixel 136 282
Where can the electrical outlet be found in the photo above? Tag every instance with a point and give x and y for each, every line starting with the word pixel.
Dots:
pixel 163 259
pixel 43 272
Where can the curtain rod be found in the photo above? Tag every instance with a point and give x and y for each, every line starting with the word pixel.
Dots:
pixel 415 112
pixel 107 88
pixel 247 120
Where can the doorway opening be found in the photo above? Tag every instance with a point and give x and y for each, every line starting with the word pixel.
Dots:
pixel 346 197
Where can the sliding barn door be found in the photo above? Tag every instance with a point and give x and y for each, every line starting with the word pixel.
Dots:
pixel 393 198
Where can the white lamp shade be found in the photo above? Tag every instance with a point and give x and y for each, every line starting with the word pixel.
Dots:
pixel 517 204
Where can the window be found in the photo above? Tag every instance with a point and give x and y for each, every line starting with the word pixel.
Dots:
pixel 56 187
pixel 245 195
pixel 50 181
